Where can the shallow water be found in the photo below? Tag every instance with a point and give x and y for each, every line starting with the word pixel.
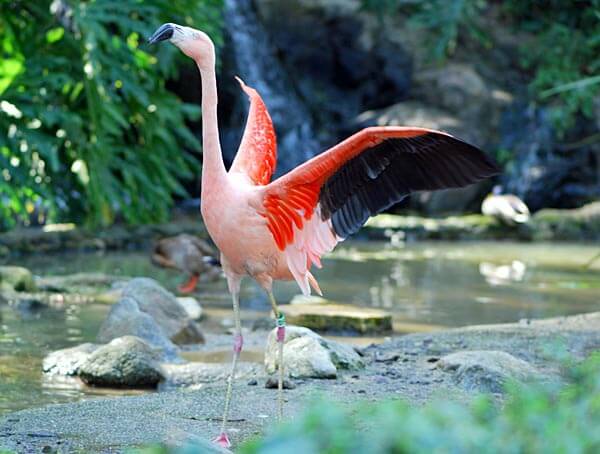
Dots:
pixel 424 285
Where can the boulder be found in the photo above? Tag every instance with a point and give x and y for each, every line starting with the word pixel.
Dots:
pixel 68 361
pixel 486 370
pixel 163 307
pixel 308 355
pixel 417 113
pixel 16 278
pixel 338 317
pixel 126 318
pixel 124 362
pixel 150 312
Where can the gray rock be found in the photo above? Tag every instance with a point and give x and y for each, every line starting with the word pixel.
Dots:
pixel 306 355
pixel 486 370
pixel 163 307
pixel 68 361
pixel 195 373
pixel 273 383
pixel 125 318
pixel 125 362
pixel 16 278
pixel 148 311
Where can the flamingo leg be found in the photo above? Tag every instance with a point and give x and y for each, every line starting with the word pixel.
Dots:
pixel 190 285
pixel 280 324
pixel 223 439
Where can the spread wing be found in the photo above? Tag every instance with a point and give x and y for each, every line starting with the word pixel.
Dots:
pixel 257 155
pixel 332 195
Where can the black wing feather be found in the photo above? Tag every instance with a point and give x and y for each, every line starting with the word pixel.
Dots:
pixel 386 173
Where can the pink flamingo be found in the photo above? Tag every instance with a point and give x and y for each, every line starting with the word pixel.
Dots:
pixel 277 230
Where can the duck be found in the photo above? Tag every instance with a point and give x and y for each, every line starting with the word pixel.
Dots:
pixel 189 254
pixel 507 208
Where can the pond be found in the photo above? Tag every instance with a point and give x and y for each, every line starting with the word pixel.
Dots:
pixel 425 286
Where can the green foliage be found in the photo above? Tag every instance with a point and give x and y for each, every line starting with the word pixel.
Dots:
pixel 538 418
pixel 564 55
pixel 86 123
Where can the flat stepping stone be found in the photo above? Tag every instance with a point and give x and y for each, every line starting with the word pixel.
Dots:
pixel 338 317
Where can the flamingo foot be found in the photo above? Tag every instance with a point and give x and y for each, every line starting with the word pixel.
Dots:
pixel 190 285
pixel 222 440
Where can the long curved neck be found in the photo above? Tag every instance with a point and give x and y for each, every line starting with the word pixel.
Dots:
pixel 213 169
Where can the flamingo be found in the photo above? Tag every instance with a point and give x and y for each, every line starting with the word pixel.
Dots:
pixel 276 230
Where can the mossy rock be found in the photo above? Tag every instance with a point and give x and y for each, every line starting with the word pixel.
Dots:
pixel 577 224
pixel 339 318
pixel 16 278
pixel 465 227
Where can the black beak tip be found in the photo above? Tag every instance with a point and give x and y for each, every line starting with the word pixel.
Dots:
pixel 164 32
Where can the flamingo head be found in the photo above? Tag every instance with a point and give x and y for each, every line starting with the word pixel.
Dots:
pixel 193 43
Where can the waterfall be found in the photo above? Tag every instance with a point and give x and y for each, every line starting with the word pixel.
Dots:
pixel 256 63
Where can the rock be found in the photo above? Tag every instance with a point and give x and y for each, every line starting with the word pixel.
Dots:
pixel 16 278
pixel 308 355
pixel 125 318
pixel 69 360
pixel 458 87
pixel 124 362
pixel 486 370
pixel 190 374
pixel 163 307
pixel 273 383
pixel 191 306
pixel 577 224
pixel 416 113
pixel 338 317
pixel 150 312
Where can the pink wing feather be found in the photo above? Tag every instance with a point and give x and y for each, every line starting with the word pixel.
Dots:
pixel 257 155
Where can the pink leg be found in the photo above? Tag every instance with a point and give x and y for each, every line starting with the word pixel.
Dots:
pixel 190 284
pixel 238 342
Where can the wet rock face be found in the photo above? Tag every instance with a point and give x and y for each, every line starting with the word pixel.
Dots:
pixel 16 278
pixel 150 312
pixel 125 362
pixel 486 370
pixel 354 69
pixel 308 355
pixel 542 174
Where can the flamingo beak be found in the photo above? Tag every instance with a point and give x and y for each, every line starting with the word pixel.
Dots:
pixel 164 32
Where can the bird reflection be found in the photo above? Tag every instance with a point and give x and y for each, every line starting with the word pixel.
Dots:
pixel 502 274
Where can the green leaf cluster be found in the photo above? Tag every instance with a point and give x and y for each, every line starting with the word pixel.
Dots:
pixel 88 129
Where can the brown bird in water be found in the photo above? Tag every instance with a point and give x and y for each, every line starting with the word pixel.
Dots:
pixel 189 254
